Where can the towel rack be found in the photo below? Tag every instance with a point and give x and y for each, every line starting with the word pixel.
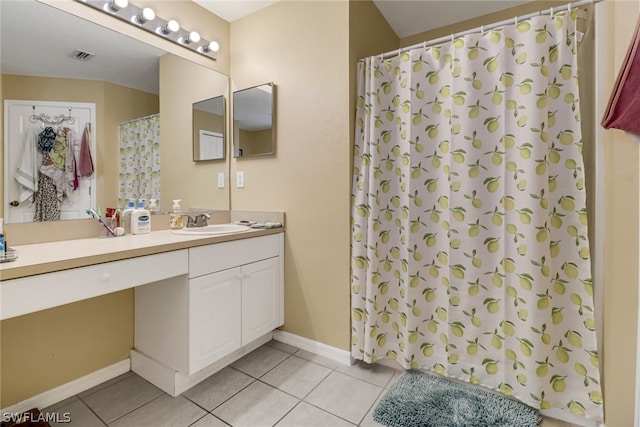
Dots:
pixel 48 120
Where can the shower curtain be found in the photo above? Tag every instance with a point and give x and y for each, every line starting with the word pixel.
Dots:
pixel 139 163
pixel 470 255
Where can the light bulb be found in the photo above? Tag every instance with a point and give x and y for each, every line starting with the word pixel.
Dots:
pixel 193 37
pixel 145 16
pixel 211 47
pixel 116 5
pixel 172 26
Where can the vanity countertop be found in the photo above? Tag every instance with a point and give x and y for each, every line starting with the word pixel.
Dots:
pixel 48 257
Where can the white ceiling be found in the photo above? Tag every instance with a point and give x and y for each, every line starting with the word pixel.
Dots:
pixel 409 17
pixel 233 10
pixel 406 17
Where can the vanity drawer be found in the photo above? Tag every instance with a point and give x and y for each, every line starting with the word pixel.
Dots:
pixel 34 293
pixel 221 256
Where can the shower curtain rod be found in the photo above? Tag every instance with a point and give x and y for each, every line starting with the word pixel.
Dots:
pixel 139 118
pixel 483 28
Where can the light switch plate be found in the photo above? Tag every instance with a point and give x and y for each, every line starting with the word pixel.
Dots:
pixel 240 179
pixel 220 179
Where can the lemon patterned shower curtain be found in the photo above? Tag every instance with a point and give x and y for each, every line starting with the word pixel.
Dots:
pixel 470 255
pixel 139 163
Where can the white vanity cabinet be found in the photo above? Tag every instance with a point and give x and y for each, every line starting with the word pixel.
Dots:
pixel 215 308
pixel 232 297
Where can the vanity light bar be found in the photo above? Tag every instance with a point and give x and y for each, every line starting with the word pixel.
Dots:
pixel 147 19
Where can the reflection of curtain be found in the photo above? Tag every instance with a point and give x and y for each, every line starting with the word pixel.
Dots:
pixel 139 163
pixel 469 238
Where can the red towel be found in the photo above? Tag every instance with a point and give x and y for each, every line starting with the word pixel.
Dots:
pixel 623 111
pixel 85 165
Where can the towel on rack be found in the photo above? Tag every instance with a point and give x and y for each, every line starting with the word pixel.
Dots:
pixel 27 171
pixel 623 110
pixel 85 163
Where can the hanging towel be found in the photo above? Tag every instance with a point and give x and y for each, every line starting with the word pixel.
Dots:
pixel 27 172
pixel 85 164
pixel 623 110
pixel 70 162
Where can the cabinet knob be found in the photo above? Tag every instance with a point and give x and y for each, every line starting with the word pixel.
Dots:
pixel 105 277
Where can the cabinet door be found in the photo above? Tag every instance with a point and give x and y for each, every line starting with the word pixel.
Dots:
pixel 260 298
pixel 215 316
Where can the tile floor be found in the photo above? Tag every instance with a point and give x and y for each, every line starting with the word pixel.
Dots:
pixel 275 385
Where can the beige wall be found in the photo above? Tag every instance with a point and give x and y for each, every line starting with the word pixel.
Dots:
pixel 621 231
pixel 309 176
pixel 257 142
pixel 43 350
pixel 181 85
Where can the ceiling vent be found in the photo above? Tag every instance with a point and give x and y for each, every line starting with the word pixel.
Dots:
pixel 81 55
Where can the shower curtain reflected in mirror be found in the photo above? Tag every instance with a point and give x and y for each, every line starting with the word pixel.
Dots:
pixel 139 163
pixel 470 254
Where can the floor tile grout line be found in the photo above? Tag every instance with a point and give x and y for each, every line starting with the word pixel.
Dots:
pixel 373 405
pixel 287 413
pixel 124 376
pixel 135 409
pixel 91 409
pixel 228 398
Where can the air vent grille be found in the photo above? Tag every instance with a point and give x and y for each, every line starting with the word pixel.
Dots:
pixel 81 55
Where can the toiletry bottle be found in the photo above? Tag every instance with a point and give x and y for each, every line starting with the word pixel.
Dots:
pixel 127 213
pixel 175 218
pixel 153 206
pixel 3 247
pixel 140 220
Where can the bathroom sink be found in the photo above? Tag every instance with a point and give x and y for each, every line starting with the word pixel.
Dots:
pixel 213 229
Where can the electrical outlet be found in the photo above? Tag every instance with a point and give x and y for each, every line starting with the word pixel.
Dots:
pixel 220 179
pixel 240 179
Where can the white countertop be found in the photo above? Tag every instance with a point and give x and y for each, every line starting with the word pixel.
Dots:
pixel 42 258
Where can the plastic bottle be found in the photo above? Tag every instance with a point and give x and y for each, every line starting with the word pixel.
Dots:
pixel 3 247
pixel 140 220
pixel 127 213
pixel 153 206
pixel 175 218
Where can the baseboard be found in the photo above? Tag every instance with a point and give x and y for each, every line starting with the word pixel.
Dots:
pixel 69 389
pixel 333 353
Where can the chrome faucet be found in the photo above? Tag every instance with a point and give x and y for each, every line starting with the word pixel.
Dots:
pixel 200 220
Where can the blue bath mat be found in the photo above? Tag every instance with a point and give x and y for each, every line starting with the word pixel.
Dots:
pixel 420 399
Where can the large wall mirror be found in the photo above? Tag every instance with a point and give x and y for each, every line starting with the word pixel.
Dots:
pixel 253 121
pixel 127 80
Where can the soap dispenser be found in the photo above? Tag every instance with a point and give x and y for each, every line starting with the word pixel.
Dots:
pixel 175 218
